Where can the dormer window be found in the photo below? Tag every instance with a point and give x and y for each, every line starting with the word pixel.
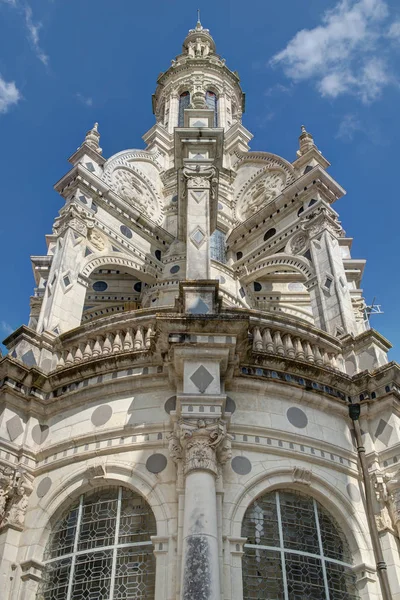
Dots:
pixel 212 104
pixel 184 102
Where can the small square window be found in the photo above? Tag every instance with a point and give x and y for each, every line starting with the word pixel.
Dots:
pixel 66 281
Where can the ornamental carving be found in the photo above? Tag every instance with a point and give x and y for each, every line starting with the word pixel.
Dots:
pixel 200 444
pixel 74 217
pixel 298 243
pixel 131 189
pixel 15 489
pixel 96 239
pixel 199 177
pixel 387 492
pixel 261 192
pixel 321 220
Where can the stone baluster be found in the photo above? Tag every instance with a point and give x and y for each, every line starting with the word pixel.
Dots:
pixel 308 353
pixel 257 340
pixel 78 354
pixel 149 335
pixel 60 360
pixel 70 358
pixel 289 348
pixel 299 350
pixel 107 346
pixel 268 344
pixel 128 341
pixel 139 342
pixel 87 353
pixel 325 359
pixel 318 356
pixel 117 343
pixel 98 346
pixel 333 361
pixel 279 347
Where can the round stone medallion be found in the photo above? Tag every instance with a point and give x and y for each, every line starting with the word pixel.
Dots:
pixel 230 405
pixel 43 487
pixel 40 433
pixel 297 417
pixel 101 415
pixel 174 269
pixel 241 465
pixel 353 492
pixel 156 463
pixel 170 404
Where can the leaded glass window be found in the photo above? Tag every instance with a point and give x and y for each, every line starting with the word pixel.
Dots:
pixel 295 551
pixel 101 550
pixel 217 246
pixel 212 103
pixel 184 102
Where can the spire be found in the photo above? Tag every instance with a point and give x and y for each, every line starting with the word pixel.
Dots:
pixel 198 42
pixel 306 141
pixel 92 138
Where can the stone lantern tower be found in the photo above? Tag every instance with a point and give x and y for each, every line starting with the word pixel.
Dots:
pixel 198 408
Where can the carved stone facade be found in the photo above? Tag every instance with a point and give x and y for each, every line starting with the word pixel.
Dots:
pixel 197 336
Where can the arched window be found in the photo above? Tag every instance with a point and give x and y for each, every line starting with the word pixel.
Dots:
pixel 294 550
pixel 212 104
pixel 101 549
pixel 217 246
pixel 184 102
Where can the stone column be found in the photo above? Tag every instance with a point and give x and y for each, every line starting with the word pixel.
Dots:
pixel 201 445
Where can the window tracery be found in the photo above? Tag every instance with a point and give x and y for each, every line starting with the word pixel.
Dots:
pixel 102 549
pixel 294 550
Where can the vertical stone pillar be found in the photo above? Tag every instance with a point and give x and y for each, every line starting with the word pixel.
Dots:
pixel 65 291
pixel 200 444
pixel 330 298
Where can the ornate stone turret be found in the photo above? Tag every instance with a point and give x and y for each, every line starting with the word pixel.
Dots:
pixel 198 43
pixel 93 137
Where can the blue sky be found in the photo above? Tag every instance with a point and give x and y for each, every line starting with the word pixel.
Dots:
pixel 334 66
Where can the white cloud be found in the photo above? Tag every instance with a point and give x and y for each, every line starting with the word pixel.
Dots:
pixel 5 328
pixel 345 54
pixel 9 95
pixel 394 31
pixel 86 100
pixel 33 35
pixel 349 125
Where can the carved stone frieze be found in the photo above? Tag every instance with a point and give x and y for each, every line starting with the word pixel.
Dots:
pixel 15 489
pixel 262 191
pixel 201 444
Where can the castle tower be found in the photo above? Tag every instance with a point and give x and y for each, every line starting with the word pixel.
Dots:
pixel 198 408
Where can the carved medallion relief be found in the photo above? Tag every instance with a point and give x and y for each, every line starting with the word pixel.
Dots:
pixel 260 192
pixel 133 190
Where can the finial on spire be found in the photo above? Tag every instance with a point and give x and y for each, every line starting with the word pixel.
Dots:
pixel 306 141
pixel 92 138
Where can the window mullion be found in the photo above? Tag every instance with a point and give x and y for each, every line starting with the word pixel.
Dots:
pixel 73 560
pixel 283 561
pixel 115 550
pixel 321 550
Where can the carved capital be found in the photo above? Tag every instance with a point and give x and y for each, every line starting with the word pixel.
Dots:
pixel 322 220
pixel 74 217
pixel 200 444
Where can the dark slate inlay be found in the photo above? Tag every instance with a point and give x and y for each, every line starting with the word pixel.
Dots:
pixel 202 379
pixel 100 286
pixel 14 427
pixel 40 433
pixel 241 465
pixel 156 463
pixel 138 286
pixel 297 417
pixel 29 359
pixel 353 492
pixel 175 269
pixel 126 231
pixel 101 415
pixel 230 405
pixel 199 308
pixel 383 432
pixel 43 487
pixel 170 404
